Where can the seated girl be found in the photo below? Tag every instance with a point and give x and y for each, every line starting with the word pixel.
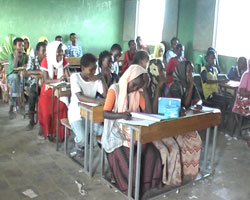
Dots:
pixel 237 71
pixel 105 64
pixel 54 70
pixel 190 144
pixel 173 62
pixel 210 83
pixel 84 87
pixel 159 51
pixel 129 95
pixel 242 102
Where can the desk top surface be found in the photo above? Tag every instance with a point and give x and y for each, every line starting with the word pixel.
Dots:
pixel 231 84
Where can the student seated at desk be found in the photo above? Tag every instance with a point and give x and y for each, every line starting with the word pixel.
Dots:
pixel 171 53
pixel 104 65
pixel 129 95
pixel 140 46
pixel 236 72
pixel 129 55
pixel 74 50
pixel 173 62
pixel 54 70
pixel 27 48
pixel 16 59
pixel 116 51
pixel 33 68
pixel 190 144
pixel 242 101
pixel 159 51
pixel 210 82
pixel 84 87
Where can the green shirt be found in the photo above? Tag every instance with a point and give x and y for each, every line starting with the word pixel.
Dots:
pixel 24 60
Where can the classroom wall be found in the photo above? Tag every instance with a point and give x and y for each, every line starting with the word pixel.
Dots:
pixel 97 23
pixel 195 30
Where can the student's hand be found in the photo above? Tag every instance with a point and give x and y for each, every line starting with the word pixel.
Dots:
pixel 126 116
pixel 224 81
pixel 100 101
pixel 63 78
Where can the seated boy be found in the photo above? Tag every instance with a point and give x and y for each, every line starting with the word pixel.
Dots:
pixel 33 68
pixel 129 55
pixel 84 87
pixel 210 83
pixel 16 59
pixel 116 51
pixel 236 72
pixel 74 50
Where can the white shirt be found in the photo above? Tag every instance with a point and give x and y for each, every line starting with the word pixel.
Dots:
pixel 115 66
pixel 170 54
pixel 88 88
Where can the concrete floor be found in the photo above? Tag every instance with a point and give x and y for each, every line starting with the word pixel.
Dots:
pixel 24 164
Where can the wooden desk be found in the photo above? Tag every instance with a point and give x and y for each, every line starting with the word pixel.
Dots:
pixel 230 85
pixel 194 120
pixel 59 93
pixel 74 62
pixel 93 114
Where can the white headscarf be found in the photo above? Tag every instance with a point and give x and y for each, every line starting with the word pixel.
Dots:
pixel 51 51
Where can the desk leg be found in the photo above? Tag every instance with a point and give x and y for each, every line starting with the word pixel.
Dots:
pixel 206 148
pixel 213 149
pixel 52 111
pixel 138 169
pixel 91 150
pixel 86 148
pixel 131 163
pixel 57 121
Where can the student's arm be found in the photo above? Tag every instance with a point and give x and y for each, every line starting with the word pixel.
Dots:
pixel 86 99
pixel 169 68
pixel 16 58
pixel 109 105
pixel 104 84
pixel 125 62
pixel 208 81
pixel 148 101
pixel 30 67
pixel 188 98
pixel 47 80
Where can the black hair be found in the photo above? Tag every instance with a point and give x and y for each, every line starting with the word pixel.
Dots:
pixel 173 39
pixel 140 55
pixel 58 36
pixel 18 39
pixel 211 49
pixel 130 41
pixel 39 45
pixel 87 59
pixel 243 59
pixel 116 47
pixel 71 34
pixel 102 56
pixel 210 52
pixel 179 46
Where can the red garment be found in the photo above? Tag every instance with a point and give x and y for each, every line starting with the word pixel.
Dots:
pixel 44 107
pixel 172 64
pixel 128 57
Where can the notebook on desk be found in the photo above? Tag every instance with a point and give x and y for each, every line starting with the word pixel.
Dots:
pixel 142 119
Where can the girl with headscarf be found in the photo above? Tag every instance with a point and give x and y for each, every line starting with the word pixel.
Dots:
pixel 129 95
pixel 159 51
pixel 242 101
pixel 190 144
pixel 43 39
pixel 54 70
pixel 27 48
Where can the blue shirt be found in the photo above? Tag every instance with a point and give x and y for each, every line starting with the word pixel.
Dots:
pixel 234 74
pixel 74 51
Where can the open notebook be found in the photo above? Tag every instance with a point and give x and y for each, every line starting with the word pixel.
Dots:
pixel 142 119
pixel 62 83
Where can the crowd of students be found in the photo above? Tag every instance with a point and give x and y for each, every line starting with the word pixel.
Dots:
pixel 135 88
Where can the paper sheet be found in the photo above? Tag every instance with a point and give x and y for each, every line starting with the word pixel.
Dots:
pixel 90 104
pixel 30 193
pixel 136 121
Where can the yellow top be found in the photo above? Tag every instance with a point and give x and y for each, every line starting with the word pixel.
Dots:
pixel 211 87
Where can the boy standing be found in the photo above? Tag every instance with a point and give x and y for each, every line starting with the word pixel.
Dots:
pixel 74 50
pixel 33 68
pixel 16 59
